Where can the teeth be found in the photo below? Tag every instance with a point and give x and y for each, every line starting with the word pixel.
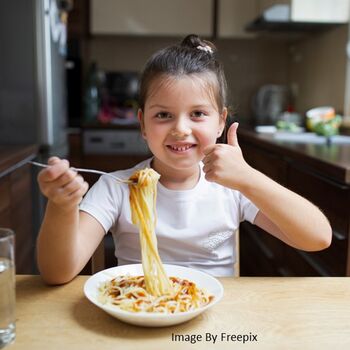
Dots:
pixel 181 149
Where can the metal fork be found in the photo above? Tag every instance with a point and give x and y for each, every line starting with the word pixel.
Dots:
pixel 93 171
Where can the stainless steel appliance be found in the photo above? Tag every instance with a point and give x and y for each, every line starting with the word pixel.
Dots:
pixel 114 142
pixel 33 106
pixel 269 102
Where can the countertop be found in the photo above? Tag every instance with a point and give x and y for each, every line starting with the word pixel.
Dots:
pixel 276 313
pixel 331 160
pixel 12 157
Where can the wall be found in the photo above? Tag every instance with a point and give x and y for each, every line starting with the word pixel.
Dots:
pixel 248 63
pixel 314 65
pixel 317 67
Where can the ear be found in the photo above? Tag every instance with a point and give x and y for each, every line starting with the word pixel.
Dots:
pixel 222 123
pixel 141 120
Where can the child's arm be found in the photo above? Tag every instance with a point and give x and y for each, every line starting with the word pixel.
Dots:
pixel 283 213
pixel 67 238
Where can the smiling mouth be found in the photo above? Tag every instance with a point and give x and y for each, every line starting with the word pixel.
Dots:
pixel 181 148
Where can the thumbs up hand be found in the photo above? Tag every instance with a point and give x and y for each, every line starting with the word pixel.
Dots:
pixel 224 163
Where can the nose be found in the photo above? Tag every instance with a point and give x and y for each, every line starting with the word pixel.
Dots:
pixel 181 129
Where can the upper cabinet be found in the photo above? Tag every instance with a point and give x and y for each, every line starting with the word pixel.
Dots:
pixel 332 11
pixel 329 11
pixel 182 17
pixel 152 17
pixel 233 16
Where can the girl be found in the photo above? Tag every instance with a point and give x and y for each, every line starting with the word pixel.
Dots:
pixel 205 190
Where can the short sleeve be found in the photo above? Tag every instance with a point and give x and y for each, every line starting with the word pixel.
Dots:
pixel 248 210
pixel 101 202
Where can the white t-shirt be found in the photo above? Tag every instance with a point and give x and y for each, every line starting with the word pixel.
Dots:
pixel 195 228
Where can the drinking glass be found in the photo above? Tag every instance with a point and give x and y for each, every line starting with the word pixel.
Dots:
pixel 7 287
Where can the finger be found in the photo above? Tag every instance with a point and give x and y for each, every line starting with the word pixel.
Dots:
pixel 206 159
pixel 53 160
pixel 79 193
pixel 54 171
pixel 73 185
pixel 209 176
pixel 66 178
pixel 232 139
pixel 207 150
pixel 207 168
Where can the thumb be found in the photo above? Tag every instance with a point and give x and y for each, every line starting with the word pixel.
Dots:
pixel 53 160
pixel 232 139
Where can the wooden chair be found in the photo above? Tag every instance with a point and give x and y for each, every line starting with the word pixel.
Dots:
pixel 236 264
pixel 98 258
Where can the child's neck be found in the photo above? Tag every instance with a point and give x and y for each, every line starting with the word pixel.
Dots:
pixel 173 179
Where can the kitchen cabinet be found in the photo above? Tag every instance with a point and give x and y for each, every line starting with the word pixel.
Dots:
pixel 16 198
pixel 151 17
pixel 233 16
pixel 319 173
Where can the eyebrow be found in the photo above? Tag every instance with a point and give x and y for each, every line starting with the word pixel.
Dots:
pixel 167 107
pixel 158 106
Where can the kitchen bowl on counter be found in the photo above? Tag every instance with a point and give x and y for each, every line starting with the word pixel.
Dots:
pixel 146 319
pixel 323 121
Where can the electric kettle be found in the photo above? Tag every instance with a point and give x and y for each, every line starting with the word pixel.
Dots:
pixel 269 102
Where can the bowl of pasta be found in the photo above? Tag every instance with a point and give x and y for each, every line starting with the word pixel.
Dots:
pixel 122 292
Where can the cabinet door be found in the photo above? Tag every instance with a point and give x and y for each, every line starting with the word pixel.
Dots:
pixel 22 219
pixel 234 15
pixel 268 163
pixel 335 11
pixel 152 17
pixel 333 199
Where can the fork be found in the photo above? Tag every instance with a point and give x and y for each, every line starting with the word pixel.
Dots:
pixel 93 171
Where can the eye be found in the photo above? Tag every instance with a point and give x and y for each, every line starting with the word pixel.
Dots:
pixel 163 115
pixel 198 114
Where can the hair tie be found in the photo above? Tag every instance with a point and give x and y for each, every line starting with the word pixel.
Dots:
pixel 205 48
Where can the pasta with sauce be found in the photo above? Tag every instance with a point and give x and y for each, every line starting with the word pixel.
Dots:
pixel 155 291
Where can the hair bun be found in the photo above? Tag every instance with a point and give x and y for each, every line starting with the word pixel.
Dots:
pixel 195 42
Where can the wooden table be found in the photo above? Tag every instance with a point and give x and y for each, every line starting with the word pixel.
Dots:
pixel 281 313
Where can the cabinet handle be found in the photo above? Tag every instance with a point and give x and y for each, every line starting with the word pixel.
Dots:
pixel 339 236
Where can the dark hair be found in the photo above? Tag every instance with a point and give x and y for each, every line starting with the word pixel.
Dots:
pixel 192 56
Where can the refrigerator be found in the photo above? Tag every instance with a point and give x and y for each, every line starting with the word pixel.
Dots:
pixel 33 101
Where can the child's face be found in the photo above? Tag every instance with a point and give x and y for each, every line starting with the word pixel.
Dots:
pixel 180 119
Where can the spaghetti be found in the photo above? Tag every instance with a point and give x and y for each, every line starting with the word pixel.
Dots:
pixel 129 294
pixel 153 292
pixel 143 214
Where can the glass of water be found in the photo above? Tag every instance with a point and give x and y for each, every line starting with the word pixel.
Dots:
pixel 7 287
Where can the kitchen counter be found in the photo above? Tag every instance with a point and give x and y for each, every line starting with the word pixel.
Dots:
pixel 319 173
pixel 331 160
pixel 277 313
pixel 12 157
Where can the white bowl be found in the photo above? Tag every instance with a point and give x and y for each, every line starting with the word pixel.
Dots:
pixel 145 319
pixel 318 112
